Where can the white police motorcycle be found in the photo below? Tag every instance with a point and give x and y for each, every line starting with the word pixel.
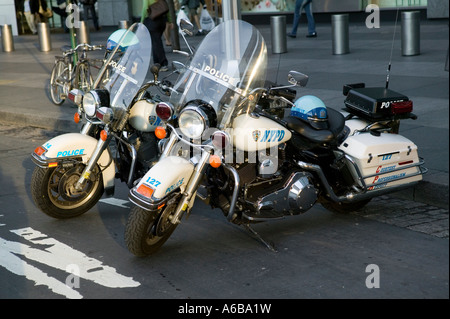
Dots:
pixel 75 169
pixel 238 153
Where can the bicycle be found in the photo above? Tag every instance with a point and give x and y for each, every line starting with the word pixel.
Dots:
pixel 66 76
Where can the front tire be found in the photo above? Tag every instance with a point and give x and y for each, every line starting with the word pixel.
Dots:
pixel 146 231
pixel 54 193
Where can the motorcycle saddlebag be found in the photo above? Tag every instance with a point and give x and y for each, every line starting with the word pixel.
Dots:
pixel 383 161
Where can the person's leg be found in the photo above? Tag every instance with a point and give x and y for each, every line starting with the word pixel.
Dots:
pixel 30 21
pixel 167 34
pixel 297 14
pixel 94 17
pixel 156 29
pixel 310 17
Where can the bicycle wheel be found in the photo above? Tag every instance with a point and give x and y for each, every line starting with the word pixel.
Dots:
pixel 58 79
pixel 83 78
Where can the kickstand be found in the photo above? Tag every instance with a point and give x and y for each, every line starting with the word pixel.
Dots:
pixel 251 230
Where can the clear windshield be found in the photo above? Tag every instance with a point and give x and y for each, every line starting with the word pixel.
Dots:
pixel 230 62
pixel 129 69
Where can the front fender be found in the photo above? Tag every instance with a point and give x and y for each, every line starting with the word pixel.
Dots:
pixel 169 174
pixel 75 146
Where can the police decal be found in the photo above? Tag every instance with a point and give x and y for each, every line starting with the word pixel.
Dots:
pixel 256 134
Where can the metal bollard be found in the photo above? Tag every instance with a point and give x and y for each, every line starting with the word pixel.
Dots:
pixel 7 38
pixel 411 33
pixel 45 43
pixel 278 34
pixel 123 24
pixel 83 33
pixel 231 10
pixel 340 41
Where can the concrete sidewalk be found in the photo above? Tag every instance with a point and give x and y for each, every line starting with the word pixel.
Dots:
pixel 25 73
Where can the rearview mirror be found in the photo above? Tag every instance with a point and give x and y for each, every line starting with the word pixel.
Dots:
pixel 187 27
pixel 297 78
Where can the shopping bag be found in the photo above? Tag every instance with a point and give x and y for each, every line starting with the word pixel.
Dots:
pixel 181 15
pixel 206 22
pixel 47 13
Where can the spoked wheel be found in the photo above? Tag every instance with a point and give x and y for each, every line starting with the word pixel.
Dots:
pixel 146 231
pixel 58 80
pixel 53 191
pixel 83 78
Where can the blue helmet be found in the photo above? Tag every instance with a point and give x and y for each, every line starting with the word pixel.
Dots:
pixel 311 109
pixel 114 38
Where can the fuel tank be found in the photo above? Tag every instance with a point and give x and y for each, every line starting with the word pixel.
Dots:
pixel 253 133
pixel 143 116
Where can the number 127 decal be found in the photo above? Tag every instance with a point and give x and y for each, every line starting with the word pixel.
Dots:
pixel 153 182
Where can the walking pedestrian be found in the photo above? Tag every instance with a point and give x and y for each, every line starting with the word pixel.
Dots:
pixel 24 6
pixel 156 28
pixel 89 6
pixel 34 9
pixel 60 9
pixel 299 6
pixel 193 12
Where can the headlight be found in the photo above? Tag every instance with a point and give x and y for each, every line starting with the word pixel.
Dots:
pixel 192 124
pixel 93 100
pixel 196 118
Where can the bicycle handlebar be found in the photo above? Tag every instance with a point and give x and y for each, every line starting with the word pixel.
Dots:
pixel 84 46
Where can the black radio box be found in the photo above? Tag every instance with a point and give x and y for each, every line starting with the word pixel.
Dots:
pixel 373 102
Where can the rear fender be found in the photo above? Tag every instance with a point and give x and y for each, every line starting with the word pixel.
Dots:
pixel 75 146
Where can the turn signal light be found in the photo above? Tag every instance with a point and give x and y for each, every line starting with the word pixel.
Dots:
pixel 39 150
pixel 103 135
pixel 145 190
pixel 214 161
pixel 160 132
pixel 76 118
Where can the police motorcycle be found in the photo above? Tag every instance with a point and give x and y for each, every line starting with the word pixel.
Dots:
pixel 242 157
pixel 117 139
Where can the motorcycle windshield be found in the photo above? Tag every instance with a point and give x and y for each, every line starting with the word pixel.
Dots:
pixel 129 69
pixel 230 62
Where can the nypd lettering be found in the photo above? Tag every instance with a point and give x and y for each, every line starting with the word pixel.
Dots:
pixel 272 136
pixel 70 153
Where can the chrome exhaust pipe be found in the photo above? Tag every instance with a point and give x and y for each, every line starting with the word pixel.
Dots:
pixel 353 197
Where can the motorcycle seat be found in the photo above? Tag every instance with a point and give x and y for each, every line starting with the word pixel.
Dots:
pixel 336 124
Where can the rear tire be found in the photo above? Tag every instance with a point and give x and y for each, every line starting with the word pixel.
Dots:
pixel 58 79
pixel 54 194
pixel 146 231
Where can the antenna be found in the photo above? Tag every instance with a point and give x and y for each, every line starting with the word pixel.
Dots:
pixel 392 49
